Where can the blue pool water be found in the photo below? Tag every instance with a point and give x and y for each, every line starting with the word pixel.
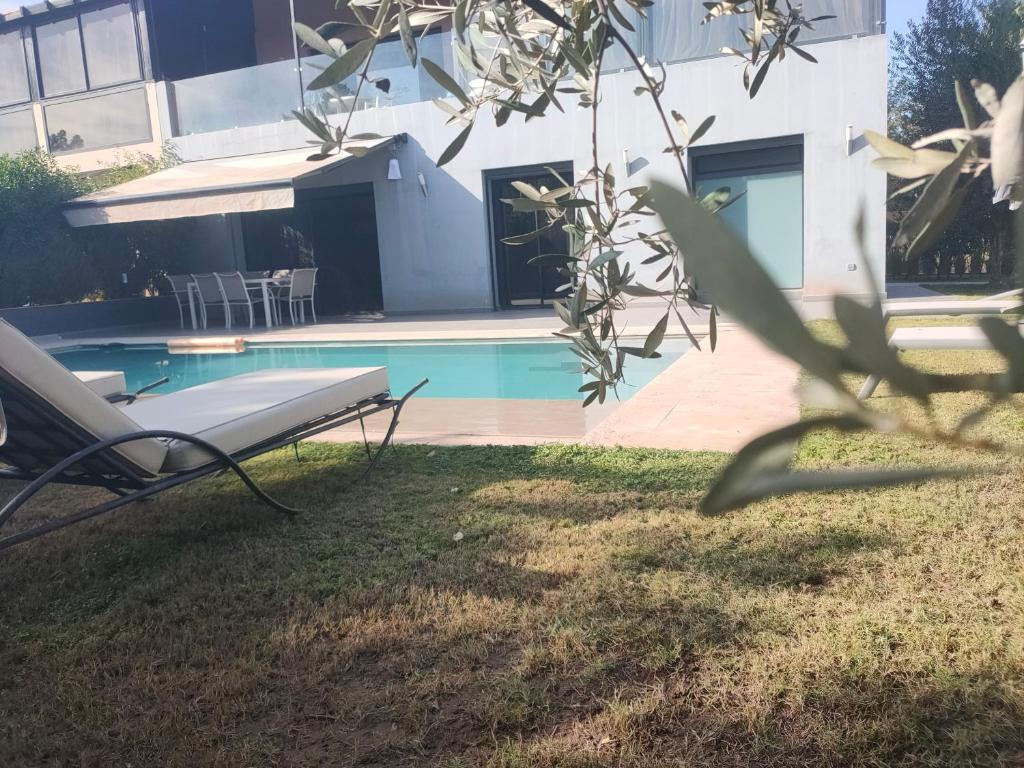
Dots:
pixel 529 370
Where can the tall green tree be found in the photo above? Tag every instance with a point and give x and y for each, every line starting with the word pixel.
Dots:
pixel 957 40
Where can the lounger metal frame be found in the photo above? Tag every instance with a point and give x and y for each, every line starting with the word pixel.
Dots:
pixel 41 445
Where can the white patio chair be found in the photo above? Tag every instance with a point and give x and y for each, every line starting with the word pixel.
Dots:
pixel 988 305
pixel 297 293
pixel 179 287
pixel 957 337
pixel 210 295
pixel 235 293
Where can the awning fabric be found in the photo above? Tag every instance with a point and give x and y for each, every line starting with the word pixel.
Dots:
pixel 230 185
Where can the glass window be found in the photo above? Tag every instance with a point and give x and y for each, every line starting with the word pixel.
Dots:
pixel 111 48
pixel 98 121
pixel 17 131
pixel 14 83
pixel 769 212
pixel 60 57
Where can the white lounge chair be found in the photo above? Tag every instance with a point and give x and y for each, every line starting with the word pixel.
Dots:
pixel 959 337
pixel 989 305
pixel 54 428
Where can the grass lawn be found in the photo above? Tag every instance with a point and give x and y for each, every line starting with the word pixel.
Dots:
pixel 512 607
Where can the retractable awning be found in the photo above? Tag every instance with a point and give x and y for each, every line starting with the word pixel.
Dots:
pixel 230 185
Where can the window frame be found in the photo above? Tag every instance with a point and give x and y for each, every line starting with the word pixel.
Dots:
pixel 76 12
pixel 88 95
pixel 798 140
pixel 20 32
pixel 13 109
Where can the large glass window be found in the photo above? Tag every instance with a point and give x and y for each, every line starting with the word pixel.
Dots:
pixel 17 131
pixel 111 51
pixel 14 82
pixel 107 120
pixel 60 57
pixel 768 212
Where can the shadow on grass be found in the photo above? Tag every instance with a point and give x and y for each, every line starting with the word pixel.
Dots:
pixel 559 629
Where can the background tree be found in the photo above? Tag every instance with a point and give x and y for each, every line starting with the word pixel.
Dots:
pixel 45 261
pixel 957 40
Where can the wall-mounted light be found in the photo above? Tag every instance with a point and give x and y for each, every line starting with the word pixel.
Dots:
pixel 849 140
pixel 423 183
pixel 394 170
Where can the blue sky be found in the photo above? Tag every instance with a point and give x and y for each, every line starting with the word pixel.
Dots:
pixel 898 12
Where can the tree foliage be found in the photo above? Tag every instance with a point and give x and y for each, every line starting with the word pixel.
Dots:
pixel 955 41
pixel 45 261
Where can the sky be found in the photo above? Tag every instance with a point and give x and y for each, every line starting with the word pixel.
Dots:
pixel 898 12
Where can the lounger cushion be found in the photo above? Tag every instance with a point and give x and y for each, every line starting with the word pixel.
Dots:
pixel 242 411
pixel 34 369
pixel 103 383
pixel 910 307
pixel 940 337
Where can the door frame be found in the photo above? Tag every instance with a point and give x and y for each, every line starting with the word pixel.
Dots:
pixel 512 173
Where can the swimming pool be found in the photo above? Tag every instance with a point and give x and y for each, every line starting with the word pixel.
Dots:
pixel 526 370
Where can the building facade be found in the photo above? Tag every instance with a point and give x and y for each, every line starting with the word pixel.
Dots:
pixel 94 79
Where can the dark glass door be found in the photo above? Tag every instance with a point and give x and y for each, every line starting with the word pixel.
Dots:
pixel 520 281
pixel 334 229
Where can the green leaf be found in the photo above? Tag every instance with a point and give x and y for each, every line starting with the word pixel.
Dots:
pixel 456 146
pixel 701 130
pixel 966 111
pixel 656 336
pixel 932 200
pixel 762 469
pixel 445 80
pixel 313 39
pixel 1008 144
pixel 408 38
pixel 344 66
pixel 865 330
pixel 738 283
pixel 1008 342
pixel 545 11
pixel 987 97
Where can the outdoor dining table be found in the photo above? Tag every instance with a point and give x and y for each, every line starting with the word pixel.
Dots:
pixel 263 284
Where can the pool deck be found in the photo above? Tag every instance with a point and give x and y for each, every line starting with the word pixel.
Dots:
pixel 704 401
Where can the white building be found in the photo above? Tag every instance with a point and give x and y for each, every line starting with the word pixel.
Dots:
pixel 92 79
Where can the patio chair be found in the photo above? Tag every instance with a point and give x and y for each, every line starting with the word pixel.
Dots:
pixel 989 305
pixel 179 287
pixel 297 293
pixel 235 293
pixel 210 295
pixel 57 430
pixel 958 337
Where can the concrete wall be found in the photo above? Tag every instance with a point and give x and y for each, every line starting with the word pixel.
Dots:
pixel 435 252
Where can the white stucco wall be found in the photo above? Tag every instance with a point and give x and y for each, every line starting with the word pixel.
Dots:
pixel 435 253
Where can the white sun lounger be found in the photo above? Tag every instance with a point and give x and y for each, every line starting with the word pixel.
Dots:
pixel 54 428
pixel 989 305
pixel 960 337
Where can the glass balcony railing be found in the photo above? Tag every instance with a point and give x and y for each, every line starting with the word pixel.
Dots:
pixel 266 93
pixel 405 84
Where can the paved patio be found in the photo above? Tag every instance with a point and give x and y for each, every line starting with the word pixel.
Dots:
pixel 704 401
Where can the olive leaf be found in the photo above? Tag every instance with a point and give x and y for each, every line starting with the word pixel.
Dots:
pixel 344 66
pixel 736 281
